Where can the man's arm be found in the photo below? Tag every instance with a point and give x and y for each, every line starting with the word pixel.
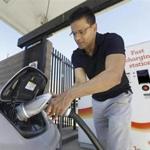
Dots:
pixel 104 81
pixel 107 79
pixel 80 76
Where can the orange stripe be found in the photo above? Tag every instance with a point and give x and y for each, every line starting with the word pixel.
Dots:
pixel 87 113
pixel 142 125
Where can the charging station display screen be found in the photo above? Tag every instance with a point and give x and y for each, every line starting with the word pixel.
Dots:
pixel 143 76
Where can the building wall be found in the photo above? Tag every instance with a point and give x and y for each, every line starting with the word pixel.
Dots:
pixel 9 66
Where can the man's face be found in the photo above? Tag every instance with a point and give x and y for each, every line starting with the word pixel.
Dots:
pixel 83 33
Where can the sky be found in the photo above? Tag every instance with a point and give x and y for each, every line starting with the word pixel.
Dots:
pixel 130 20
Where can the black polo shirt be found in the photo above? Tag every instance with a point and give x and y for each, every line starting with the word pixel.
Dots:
pixel 109 43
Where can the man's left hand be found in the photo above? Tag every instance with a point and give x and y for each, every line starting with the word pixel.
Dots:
pixel 59 104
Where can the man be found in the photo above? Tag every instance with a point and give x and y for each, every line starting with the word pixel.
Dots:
pixel 101 58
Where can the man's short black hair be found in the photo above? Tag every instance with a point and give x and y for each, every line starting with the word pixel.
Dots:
pixel 83 12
